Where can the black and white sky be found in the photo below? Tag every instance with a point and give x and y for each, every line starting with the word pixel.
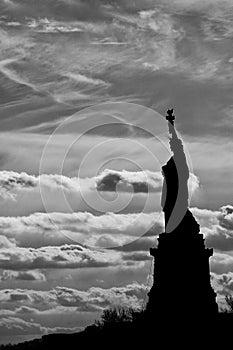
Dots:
pixel 73 212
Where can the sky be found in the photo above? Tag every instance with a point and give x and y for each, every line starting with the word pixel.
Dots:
pixel 84 88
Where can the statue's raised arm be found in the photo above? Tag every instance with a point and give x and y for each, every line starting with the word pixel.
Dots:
pixel 176 145
pixel 176 174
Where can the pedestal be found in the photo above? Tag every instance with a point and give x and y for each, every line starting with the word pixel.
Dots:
pixel 181 276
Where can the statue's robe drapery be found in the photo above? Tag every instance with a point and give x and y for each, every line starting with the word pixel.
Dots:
pixel 175 196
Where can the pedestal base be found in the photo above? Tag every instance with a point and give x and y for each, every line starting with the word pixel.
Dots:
pixel 181 276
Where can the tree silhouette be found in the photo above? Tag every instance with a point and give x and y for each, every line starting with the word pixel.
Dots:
pixel 119 315
pixel 229 301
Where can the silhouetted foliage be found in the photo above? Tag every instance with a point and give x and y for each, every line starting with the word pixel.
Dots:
pixel 119 315
pixel 229 301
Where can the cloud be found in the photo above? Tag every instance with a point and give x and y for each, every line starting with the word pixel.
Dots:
pixel 17 326
pixel 21 193
pixel 217 226
pixel 222 263
pixel 50 26
pixel 24 310
pixel 52 8
pixel 7 243
pixel 33 275
pixel 138 182
pixel 56 229
pixel 12 182
pixel 226 217
pixel 93 299
pixel 107 230
pixel 63 257
pixel 156 38
pixel 142 244
pixel 223 285
pixel 146 43
pixel 24 194
pixel 67 256
pixel 142 181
